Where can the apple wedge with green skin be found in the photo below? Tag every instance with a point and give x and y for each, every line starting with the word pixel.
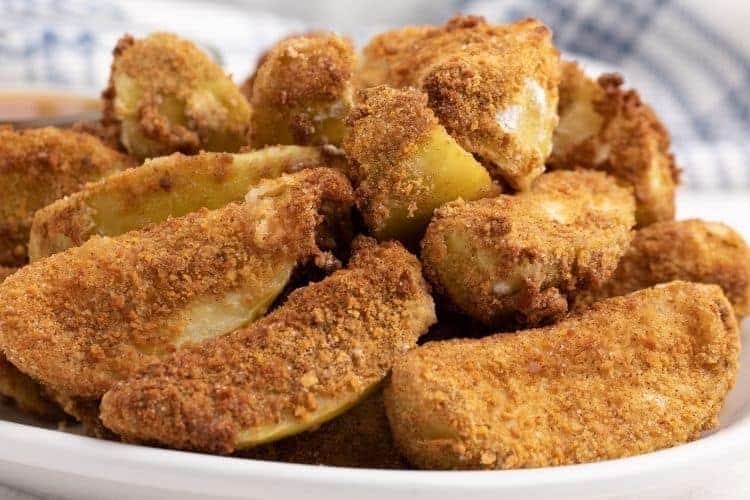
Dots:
pixel 326 348
pixel 81 320
pixel 170 186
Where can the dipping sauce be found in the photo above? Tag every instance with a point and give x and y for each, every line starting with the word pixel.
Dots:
pixel 19 106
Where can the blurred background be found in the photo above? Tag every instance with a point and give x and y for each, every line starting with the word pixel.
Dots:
pixel 689 58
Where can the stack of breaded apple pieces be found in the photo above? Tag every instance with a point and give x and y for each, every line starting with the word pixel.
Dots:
pixel 451 250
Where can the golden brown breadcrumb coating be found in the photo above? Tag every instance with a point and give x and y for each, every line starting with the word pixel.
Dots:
pixel 38 166
pixel 522 257
pixel 493 87
pixel 302 91
pixel 324 349
pixel 170 186
pixel 19 388
pixel 247 86
pixel 166 95
pixel 108 133
pixel 605 127
pixel 360 438
pixel 689 250
pixel 400 58
pixel 80 320
pixel 634 374
pixel 383 59
pixel 405 163
pixel 500 100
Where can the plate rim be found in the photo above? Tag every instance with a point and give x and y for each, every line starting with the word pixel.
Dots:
pixel 43 448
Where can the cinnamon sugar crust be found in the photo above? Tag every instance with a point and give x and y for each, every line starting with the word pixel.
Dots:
pixel 330 344
pixel 169 186
pixel 499 100
pixel 38 166
pixel 493 87
pixel 165 95
pixel 400 58
pixel 521 258
pixel 634 374
pixel 302 91
pixel 26 394
pixel 85 318
pixel 405 164
pixel 606 127
pixel 689 250
pixel 386 127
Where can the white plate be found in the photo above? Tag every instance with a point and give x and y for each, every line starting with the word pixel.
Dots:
pixel 67 465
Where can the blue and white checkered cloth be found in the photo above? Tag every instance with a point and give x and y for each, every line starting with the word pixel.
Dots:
pixel 690 59
pixel 688 67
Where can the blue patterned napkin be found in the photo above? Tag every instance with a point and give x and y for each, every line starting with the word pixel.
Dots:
pixel 690 59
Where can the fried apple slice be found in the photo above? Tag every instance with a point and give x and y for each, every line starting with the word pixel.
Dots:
pixel 21 389
pixel 381 61
pixel 499 100
pixel 605 127
pixel 400 58
pixel 166 95
pixel 324 350
pixel 80 320
pixel 634 374
pixel 494 87
pixel 689 250
pixel 521 258
pixel 170 186
pixel 406 163
pixel 38 166
pixel 302 91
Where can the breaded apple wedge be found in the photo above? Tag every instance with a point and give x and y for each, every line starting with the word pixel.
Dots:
pixel 302 91
pixel 38 166
pixel 521 258
pixel 406 164
pixel 165 95
pixel 689 250
pixel 325 349
pixel 605 127
pixel 20 388
pixel 493 86
pixel 170 186
pixel 634 374
pixel 81 320
pixel 499 98
pixel 382 59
